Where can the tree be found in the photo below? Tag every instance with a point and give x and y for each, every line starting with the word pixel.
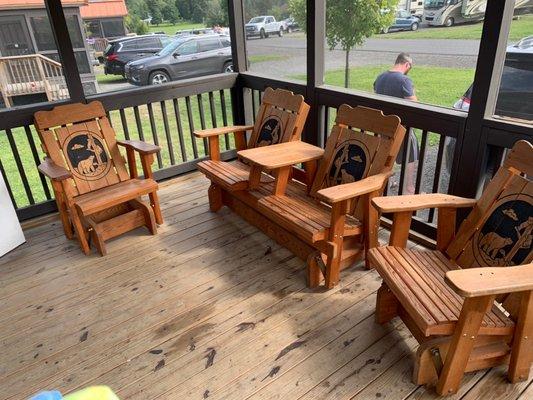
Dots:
pixel 155 9
pixel 170 11
pixel 217 13
pixel 349 22
pixel 135 24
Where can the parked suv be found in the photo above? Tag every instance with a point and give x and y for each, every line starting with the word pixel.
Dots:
pixel 184 57
pixel 121 51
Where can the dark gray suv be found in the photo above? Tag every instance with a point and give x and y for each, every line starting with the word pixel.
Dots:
pixel 185 57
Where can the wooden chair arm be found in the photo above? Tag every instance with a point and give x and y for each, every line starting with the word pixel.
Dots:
pixel 475 282
pixel 53 171
pixel 205 133
pixel 142 148
pixel 348 191
pixel 414 202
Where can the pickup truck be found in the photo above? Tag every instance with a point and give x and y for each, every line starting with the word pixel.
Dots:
pixel 262 26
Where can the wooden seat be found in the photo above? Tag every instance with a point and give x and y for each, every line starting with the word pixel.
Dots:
pixel 231 176
pixel 96 196
pixel 280 119
pixel 110 196
pixel 470 302
pixel 417 279
pixel 308 218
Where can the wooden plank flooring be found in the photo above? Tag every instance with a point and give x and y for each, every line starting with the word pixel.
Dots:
pixel 210 308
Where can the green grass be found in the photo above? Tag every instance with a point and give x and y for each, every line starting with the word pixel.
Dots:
pixel 103 78
pixel 265 57
pixel 171 29
pixel 23 148
pixel 519 29
pixel 434 85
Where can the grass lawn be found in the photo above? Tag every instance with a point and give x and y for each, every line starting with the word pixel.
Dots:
pixel 103 78
pixel 171 29
pixel 434 85
pixel 519 29
pixel 265 57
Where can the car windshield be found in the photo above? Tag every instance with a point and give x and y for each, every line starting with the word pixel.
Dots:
pixel 257 20
pixel 434 3
pixel 171 47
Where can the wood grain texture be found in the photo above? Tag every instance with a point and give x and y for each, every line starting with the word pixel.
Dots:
pixel 135 321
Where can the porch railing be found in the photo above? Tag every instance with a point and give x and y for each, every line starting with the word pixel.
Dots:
pixel 31 74
pixel 167 115
pixel 163 115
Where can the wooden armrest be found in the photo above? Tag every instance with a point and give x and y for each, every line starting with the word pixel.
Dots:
pixel 141 147
pixel 415 202
pixel 347 191
pixel 473 282
pixel 205 133
pixel 53 171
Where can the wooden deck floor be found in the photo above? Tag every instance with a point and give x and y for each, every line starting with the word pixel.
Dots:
pixel 208 309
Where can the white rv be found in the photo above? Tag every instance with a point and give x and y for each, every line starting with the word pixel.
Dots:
pixel 451 12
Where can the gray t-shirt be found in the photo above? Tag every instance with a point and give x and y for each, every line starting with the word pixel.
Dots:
pixel 393 83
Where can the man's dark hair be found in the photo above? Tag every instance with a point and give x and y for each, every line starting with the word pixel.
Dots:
pixel 403 58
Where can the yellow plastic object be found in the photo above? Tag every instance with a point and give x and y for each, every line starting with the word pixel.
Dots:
pixel 93 393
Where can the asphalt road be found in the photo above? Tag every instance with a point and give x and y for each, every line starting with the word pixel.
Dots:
pixel 450 53
pixel 291 48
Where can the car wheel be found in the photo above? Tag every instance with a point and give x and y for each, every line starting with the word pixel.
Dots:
pixel 158 78
pixel 228 67
pixel 262 34
pixel 414 26
pixel 280 33
pixel 449 22
pixel 289 29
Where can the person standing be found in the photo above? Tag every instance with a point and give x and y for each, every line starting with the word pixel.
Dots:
pixel 396 83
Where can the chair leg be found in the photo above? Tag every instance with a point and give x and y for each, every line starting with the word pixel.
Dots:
pixel 386 305
pixel 63 209
pixel 462 343
pixel 154 202
pixel 314 273
pixel 522 350
pixel 333 265
pixel 215 197
pixel 80 230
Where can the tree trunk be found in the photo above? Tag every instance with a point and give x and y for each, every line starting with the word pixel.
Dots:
pixel 347 70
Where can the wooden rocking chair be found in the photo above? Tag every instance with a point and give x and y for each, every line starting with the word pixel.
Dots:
pixel 465 311
pixel 93 190
pixel 281 118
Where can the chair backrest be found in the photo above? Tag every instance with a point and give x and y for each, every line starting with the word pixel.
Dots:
pixel 281 118
pixel 499 230
pixel 363 142
pixel 80 138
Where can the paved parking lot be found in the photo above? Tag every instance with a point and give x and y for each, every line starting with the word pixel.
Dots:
pixel 450 53
pixel 290 54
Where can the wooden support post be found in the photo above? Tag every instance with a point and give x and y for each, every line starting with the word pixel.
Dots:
pixel 522 351
pixel 215 197
pixel 370 225
pixel 336 229
pixel 462 343
pixel 386 305
pixel 445 227
pixel 214 148
pixel 401 223
pixel 282 179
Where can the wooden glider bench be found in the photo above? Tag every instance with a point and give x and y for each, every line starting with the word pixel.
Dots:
pixel 469 303
pixel 95 195
pixel 320 213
